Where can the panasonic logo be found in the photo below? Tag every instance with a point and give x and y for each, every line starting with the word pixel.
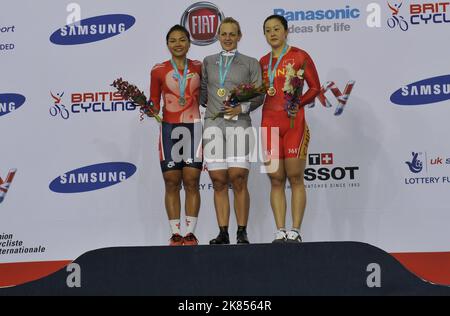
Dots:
pixel 331 14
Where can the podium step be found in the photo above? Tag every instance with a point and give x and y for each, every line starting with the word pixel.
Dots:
pixel 326 268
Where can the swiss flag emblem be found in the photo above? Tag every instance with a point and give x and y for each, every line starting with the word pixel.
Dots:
pixel 326 159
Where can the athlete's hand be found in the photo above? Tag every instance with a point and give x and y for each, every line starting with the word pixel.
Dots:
pixel 293 112
pixel 151 112
pixel 232 111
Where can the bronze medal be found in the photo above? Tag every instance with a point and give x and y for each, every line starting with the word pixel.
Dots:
pixel 182 101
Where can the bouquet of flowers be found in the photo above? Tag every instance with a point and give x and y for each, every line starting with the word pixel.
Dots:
pixel 132 93
pixel 293 89
pixel 242 93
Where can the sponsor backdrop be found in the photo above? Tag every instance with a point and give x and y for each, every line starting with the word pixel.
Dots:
pixel 79 170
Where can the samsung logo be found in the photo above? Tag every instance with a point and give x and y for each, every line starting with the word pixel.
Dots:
pixel 10 102
pixel 93 177
pixel 92 29
pixel 331 14
pixel 422 92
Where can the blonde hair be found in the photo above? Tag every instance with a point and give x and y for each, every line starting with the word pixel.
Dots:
pixel 232 21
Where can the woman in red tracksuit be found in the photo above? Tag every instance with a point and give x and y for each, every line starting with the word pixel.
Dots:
pixel 285 146
pixel 177 83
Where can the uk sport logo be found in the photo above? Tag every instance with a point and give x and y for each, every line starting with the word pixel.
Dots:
pixel 5 184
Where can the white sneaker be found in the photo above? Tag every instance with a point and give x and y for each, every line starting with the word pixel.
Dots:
pixel 293 237
pixel 280 237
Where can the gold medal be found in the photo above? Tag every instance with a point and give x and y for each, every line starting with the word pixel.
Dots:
pixel 271 91
pixel 221 92
pixel 182 101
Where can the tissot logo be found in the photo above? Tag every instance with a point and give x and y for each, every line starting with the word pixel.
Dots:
pixel 320 159
pixel 92 29
pixel 202 19
pixel 10 102
pixel 322 168
pixel 93 177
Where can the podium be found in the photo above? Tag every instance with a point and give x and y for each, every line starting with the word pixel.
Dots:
pixel 257 270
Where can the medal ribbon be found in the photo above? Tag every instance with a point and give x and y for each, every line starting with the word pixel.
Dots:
pixel 272 73
pixel 223 75
pixel 181 81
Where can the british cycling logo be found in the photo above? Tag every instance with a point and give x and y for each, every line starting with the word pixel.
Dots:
pixel 58 107
pixel 9 102
pixel 415 165
pixel 5 184
pixel 397 20
pixel 431 90
pixel 89 102
pixel 202 19
pixel 92 29
pixel 94 177
pixel 419 13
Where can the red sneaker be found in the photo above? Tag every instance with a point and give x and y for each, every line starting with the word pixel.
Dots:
pixel 176 240
pixel 190 240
